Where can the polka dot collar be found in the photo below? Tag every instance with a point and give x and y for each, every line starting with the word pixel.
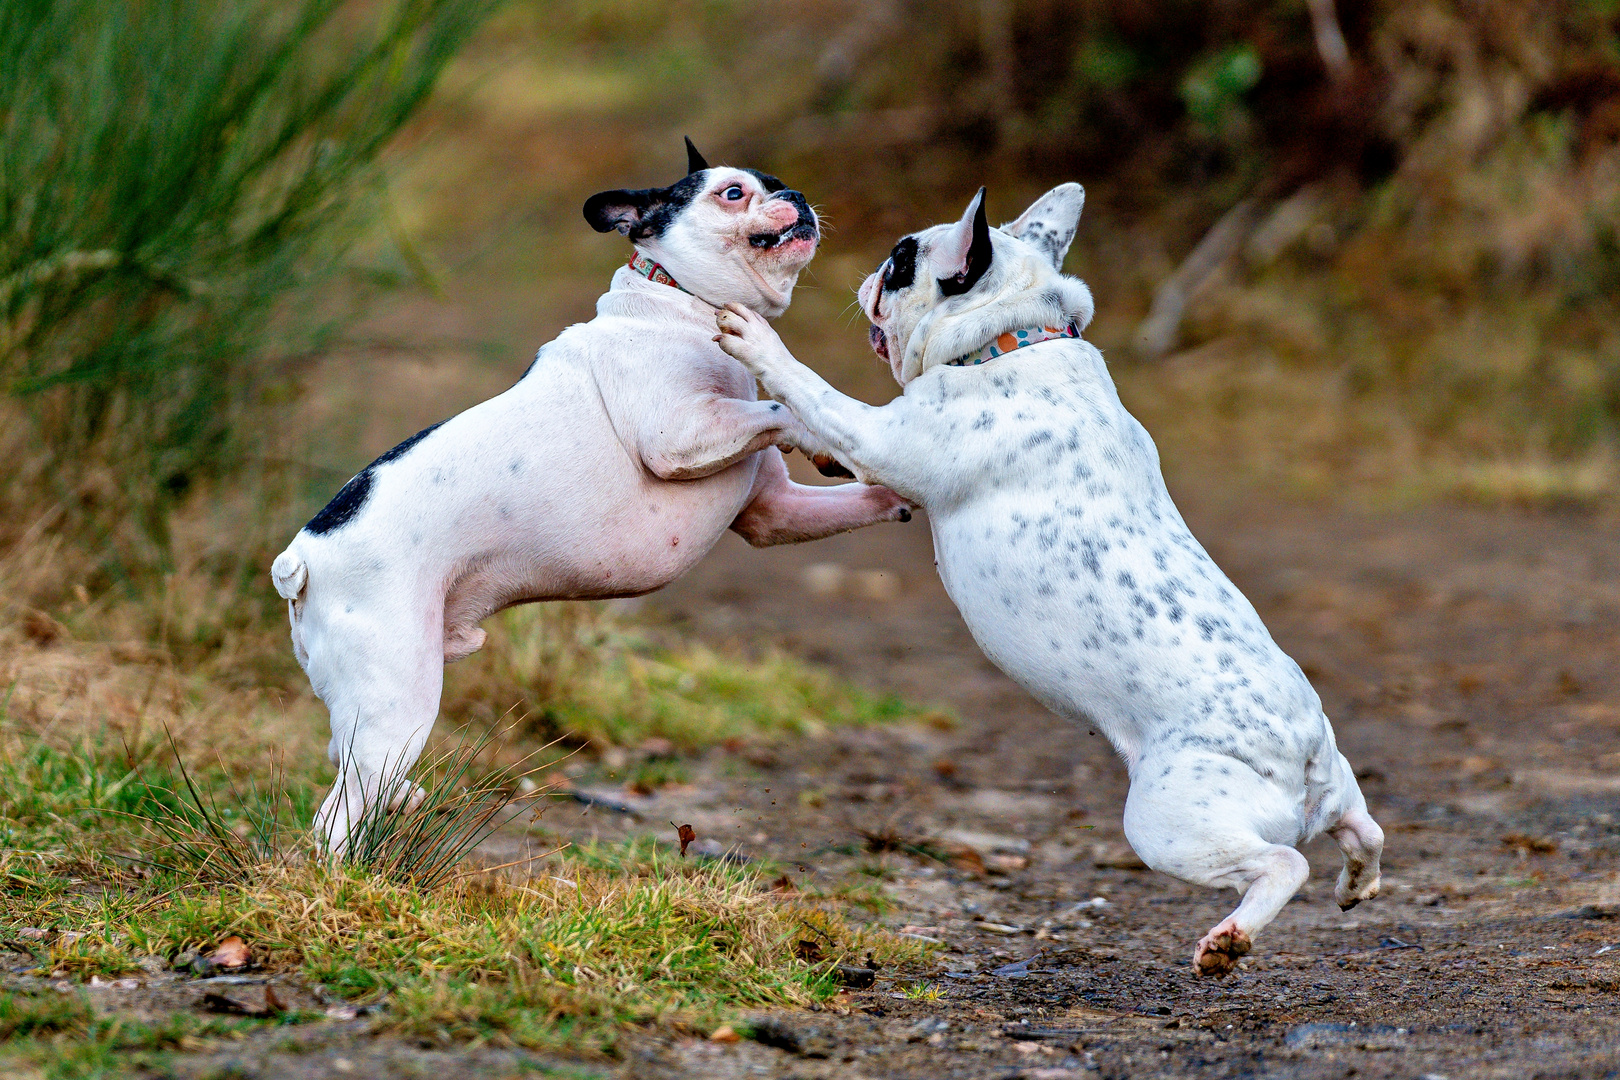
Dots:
pixel 1013 340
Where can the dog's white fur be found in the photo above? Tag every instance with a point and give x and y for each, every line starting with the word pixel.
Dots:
pixel 1058 541
pixel 615 463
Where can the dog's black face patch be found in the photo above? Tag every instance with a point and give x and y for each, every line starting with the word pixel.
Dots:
pixel 352 496
pixel 771 184
pixel 645 212
pixel 902 269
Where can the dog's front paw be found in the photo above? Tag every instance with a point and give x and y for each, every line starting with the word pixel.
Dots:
pixel 746 337
pixel 894 508
pixel 1219 950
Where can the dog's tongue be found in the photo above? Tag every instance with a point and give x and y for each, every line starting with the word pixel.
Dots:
pixel 880 343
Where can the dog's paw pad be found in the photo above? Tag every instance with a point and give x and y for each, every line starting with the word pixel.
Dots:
pixel 1219 952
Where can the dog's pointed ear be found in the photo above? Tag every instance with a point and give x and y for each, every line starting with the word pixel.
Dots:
pixel 964 254
pixel 1050 222
pixel 694 160
pixel 622 210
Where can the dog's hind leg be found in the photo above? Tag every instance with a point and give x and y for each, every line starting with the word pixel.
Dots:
pixel 782 512
pixel 1362 842
pixel 381 678
pixel 1206 820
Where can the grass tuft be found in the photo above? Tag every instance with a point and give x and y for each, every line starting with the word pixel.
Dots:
pixel 584 673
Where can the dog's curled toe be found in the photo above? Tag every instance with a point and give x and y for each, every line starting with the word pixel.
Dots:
pixel 1220 950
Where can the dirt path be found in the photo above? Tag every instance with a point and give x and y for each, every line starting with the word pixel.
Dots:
pixel 1467 661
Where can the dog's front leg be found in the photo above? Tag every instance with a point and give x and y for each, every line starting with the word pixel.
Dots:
pixel 782 512
pixel 720 432
pixel 862 437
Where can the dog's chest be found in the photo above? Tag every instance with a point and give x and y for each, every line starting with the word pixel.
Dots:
pixel 1078 576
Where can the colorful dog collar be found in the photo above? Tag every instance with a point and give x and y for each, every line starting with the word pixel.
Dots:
pixel 652 271
pixel 1013 340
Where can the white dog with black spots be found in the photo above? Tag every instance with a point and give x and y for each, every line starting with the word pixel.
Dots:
pixel 1056 538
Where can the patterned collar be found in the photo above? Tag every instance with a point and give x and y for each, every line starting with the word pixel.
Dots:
pixel 652 271
pixel 1015 339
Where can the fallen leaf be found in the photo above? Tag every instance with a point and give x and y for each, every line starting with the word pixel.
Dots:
pixel 856 978
pixel 1116 857
pixel 725 1034
pixel 960 857
pixel 685 834
pixel 1020 968
pixel 231 954
pixel 1530 845
pixel 41 629
pixel 1005 864
pixel 220 1003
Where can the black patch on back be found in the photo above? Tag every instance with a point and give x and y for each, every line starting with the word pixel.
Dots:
pixel 344 505
pixel 902 265
pixel 352 496
pixel 399 451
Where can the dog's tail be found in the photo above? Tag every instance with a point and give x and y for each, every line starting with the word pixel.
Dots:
pixel 290 574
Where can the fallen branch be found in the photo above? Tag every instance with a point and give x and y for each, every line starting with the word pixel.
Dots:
pixel 1156 335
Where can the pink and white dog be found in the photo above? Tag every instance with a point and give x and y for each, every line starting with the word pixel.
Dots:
pixel 616 462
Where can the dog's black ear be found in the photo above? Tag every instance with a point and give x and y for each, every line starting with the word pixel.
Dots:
pixel 622 210
pixel 694 160
pixel 965 253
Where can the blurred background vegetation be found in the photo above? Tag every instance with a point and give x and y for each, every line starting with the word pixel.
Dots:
pixel 1350 249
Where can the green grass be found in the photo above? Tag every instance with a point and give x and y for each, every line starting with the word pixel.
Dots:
pixel 563 959
pixel 171 174
pixel 62 1036
pixel 576 671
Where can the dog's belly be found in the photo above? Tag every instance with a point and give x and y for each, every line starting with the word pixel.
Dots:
pixel 631 536
pixel 1137 633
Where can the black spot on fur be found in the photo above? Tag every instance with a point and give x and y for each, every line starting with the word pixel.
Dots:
pixel 344 505
pixel 352 496
pixel 642 213
pixel 399 451
pixel 771 184
pixel 902 269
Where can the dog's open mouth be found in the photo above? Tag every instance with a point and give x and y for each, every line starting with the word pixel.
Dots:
pixel 800 230
pixel 880 343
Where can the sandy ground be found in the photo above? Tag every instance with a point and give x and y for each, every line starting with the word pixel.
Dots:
pixel 1467 661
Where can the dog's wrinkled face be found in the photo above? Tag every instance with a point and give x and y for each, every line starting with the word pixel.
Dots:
pixel 727 235
pixel 954 270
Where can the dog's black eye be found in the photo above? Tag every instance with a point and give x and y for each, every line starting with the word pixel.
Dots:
pixel 732 193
